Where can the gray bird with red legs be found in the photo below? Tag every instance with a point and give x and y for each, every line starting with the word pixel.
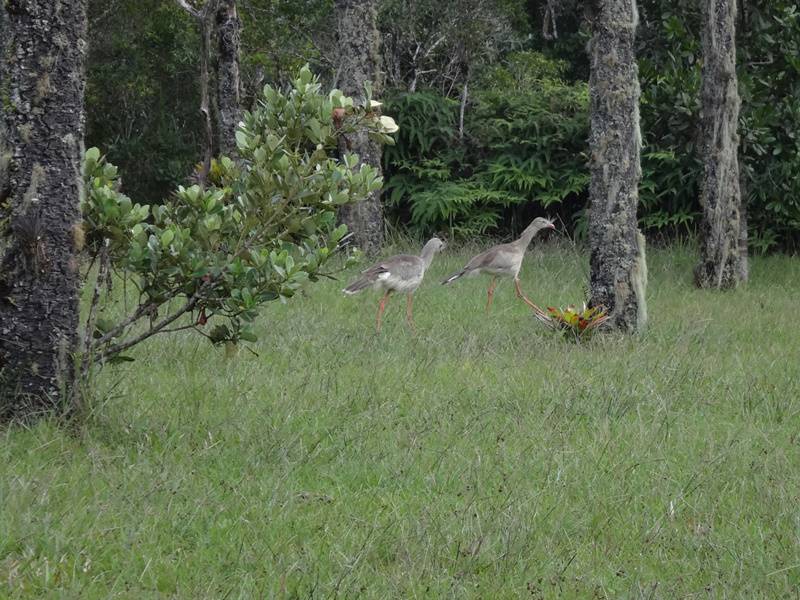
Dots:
pixel 401 274
pixel 503 260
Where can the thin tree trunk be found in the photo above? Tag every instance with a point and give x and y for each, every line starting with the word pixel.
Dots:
pixel 205 23
pixel 39 281
pixel 618 267
pixel 720 252
pixel 5 148
pixel 744 261
pixel 228 87
pixel 359 61
pixel 463 108
pixel 205 110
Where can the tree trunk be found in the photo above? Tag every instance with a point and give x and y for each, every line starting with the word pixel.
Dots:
pixel 618 266
pixel 39 266
pixel 5 148
pixel 359 62
pixel 463 106
pixel 720 253
pixel 228 90
pixel 205 22
pixel 205 25
pixel 744 261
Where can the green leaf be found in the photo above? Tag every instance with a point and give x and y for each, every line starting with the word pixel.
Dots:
pixel 167 237
pixel 219 334
pixel 119 359
pixel 241 140
pixel 248 336
pixel 212 222
pixel 93 154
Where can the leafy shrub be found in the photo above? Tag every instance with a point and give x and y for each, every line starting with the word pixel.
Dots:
pixel 261 229
pixel 769 78
pixel 533 127
pixel 523 148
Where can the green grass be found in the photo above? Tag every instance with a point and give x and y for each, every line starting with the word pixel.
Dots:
pixel 483 457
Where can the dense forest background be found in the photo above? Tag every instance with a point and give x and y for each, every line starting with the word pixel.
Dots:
pixel 491 99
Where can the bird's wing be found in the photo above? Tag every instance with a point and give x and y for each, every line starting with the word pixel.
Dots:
pixel 374 271
pixel 405 266
pixel 402 265
pixel 492 257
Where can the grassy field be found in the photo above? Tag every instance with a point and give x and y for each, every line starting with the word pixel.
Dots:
pixel 481 458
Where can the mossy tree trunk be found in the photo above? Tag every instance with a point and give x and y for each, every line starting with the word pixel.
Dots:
pixel 359 62
pixel 721 236
pixel 229 28
pixel 43 113
pixel 618 267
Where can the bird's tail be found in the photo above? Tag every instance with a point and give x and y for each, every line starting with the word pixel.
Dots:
pixel 357 286
pixel 453 277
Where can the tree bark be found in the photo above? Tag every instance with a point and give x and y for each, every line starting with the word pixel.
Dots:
pixel 228 87
pixel 359 62
pixel 205 22
pixel 43 113
pixel 5 98
pixel 618 267
pixel 744 260
pixel 463 106
pixel 720 234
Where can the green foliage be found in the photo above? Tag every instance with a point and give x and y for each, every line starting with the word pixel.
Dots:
pixel 436 45
pixel 142 95
pixel 262 228
pixel 533 126
pixel 666 201
pixel 768 43
pixel 670 105
pixel 769 79
pixel 279 37
pixel 523 147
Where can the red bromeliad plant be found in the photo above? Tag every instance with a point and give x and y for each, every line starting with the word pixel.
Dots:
pixel 581 324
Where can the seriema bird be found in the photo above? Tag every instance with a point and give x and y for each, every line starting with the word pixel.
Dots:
pixel 402 274
pixel 503 260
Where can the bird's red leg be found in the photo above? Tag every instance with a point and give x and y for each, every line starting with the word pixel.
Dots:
pixel 524 297
pixel 490 293
pixel 381 308
pixel 410 311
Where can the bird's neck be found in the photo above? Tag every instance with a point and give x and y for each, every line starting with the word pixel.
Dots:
pixel 526 236
pixel 427 255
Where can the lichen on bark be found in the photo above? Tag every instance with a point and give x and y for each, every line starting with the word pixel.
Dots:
pixel 618 277
pixel 722 257
pixel 228 82
pixel 44 127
